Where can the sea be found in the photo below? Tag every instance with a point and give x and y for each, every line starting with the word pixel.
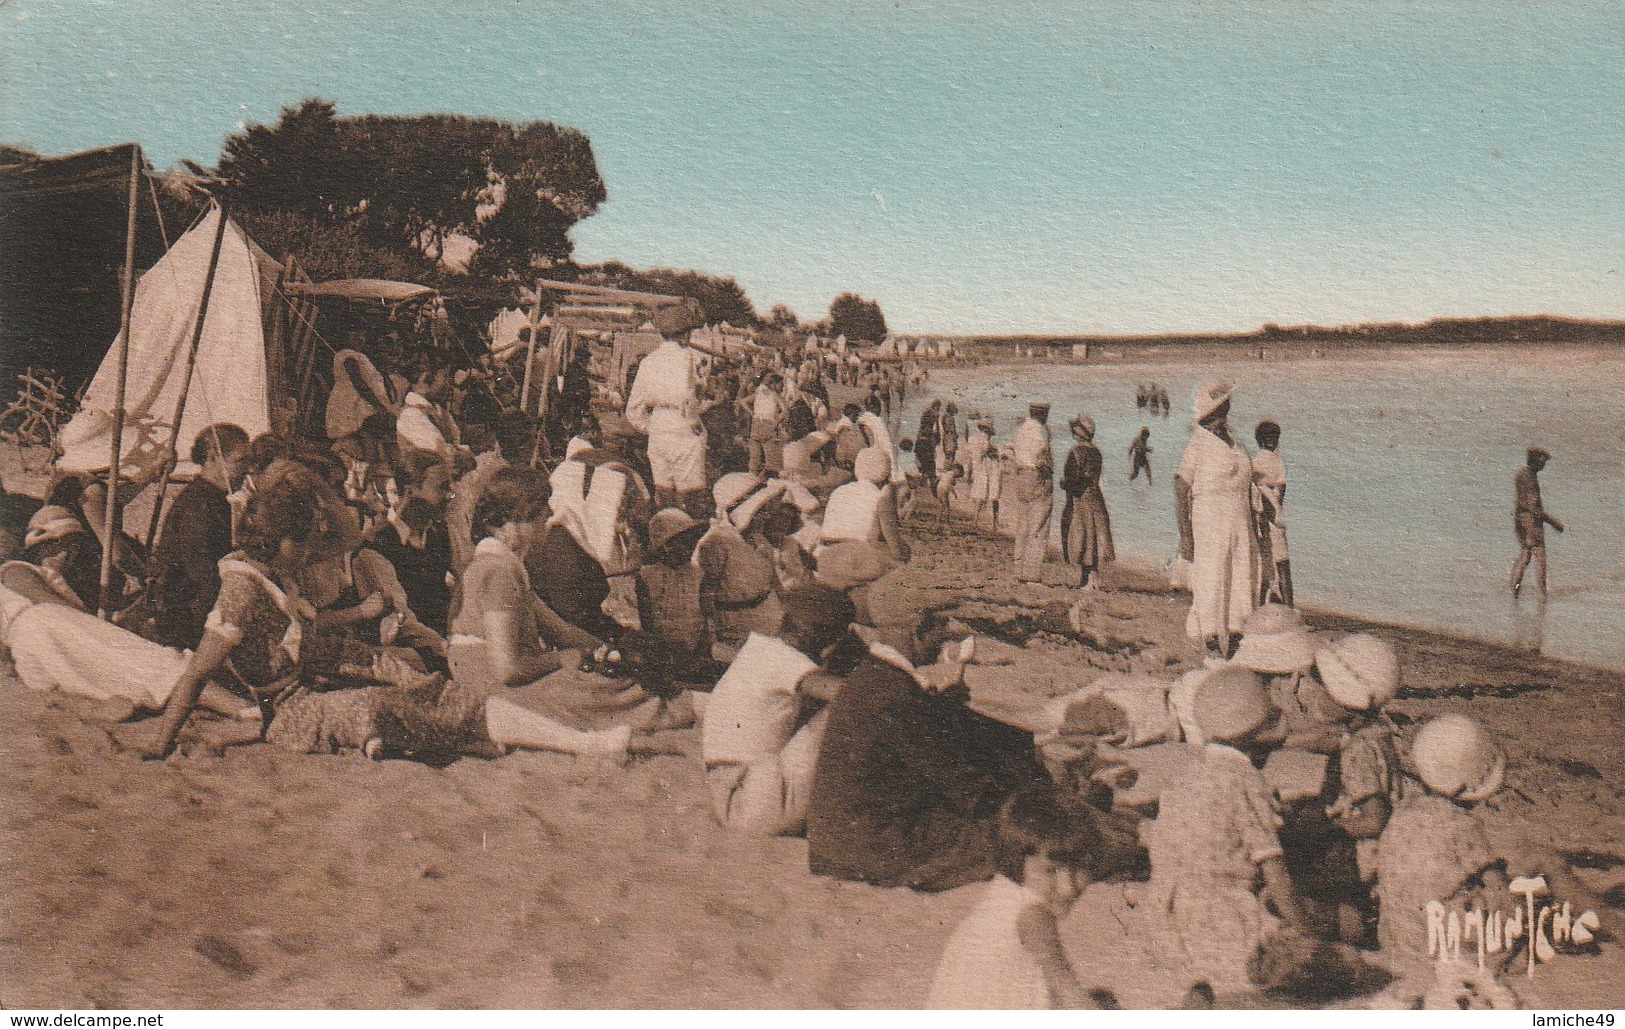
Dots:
pixel 1400 466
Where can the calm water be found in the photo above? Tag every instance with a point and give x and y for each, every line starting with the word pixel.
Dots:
pixel 1400 503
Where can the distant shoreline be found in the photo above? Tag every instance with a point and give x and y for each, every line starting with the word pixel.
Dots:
pixel 1148 350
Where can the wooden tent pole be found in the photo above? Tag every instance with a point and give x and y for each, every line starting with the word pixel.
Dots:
pixel 113 512
pixel 530 349
pixel 186 383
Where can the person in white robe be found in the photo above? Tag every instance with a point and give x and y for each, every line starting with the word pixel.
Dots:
pixel 664 402
pixel 1032 492
pixel 1213 489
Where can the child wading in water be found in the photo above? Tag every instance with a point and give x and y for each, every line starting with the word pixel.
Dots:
pixel 1007 953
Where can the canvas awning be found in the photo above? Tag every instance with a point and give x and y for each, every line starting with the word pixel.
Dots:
pixel 381 290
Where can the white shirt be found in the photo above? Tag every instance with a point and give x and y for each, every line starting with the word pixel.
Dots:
pixel 754 708
pixel 1212 466
pixel 1030 443
pixel 852 513
pixel 663 395
pixel 984 965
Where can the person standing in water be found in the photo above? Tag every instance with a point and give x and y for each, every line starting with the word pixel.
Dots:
pixel 1139 455
pixel 1529 521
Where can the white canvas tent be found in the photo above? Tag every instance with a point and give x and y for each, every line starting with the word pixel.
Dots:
pixel 229 382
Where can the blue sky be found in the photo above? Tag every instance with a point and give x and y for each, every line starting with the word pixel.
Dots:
pixel 976 167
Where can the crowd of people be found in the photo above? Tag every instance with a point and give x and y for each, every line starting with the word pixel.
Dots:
pixel 706 553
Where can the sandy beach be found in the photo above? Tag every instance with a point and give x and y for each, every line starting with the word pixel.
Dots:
pixel 266 879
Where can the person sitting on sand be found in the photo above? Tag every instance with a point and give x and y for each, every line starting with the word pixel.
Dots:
pixel 761 735
pixel 497 625
pixel 196 535
pixel 1435 847
pixel 66 555
pixel 672 649
pixel 863 538
pixel 739 578
pixel 1007 954
pixel 910 779
pixel 1216 837
pixel 1361 673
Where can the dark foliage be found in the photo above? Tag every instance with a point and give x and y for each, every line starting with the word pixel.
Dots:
pixel 857 319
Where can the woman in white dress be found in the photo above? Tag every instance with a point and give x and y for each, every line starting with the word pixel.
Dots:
pixel 1213 488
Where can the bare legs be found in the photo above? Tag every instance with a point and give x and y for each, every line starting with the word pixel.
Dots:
pixel 510 725
pixel 1525 555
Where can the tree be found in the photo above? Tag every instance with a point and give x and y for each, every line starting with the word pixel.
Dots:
pixel 409 184
pixel 783 319
pixel 299 166
pixel 856 318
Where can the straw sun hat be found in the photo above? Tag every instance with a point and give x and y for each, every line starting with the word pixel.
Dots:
pixel 1230 704
pixel 51 522
pixel 1275 640
pixel 668 525
pixel 1361 672
pixel 1456 757
pixel 1210 396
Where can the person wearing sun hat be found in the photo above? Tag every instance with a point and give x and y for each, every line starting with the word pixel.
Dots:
pixel 1086 527
pixel 738 577
pixel 1436 847
pixel 1213 494
pixel 1361 674
pixel 863 539
pixel 1217 835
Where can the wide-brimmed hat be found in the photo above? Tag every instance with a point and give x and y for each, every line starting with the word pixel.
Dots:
pixel 1456 757
pixel 1210 396
pixel 1230 704
pixel 1082 425
pixel 668 525
pixel 1038 407
pixel 731 489
pixel 1275 640
pixel 1361 672
pixel 51 522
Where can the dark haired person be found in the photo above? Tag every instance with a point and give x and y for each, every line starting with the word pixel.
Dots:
pixel 1007 953
pixel 196 535
pixel 910 780
pixel 1139 455
pixel 1269 483
pixel 1529 521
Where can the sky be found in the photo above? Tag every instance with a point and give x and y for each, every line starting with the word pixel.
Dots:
pixel 976 167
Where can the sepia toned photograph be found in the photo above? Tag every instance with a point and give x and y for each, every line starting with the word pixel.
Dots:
pixel 731 505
